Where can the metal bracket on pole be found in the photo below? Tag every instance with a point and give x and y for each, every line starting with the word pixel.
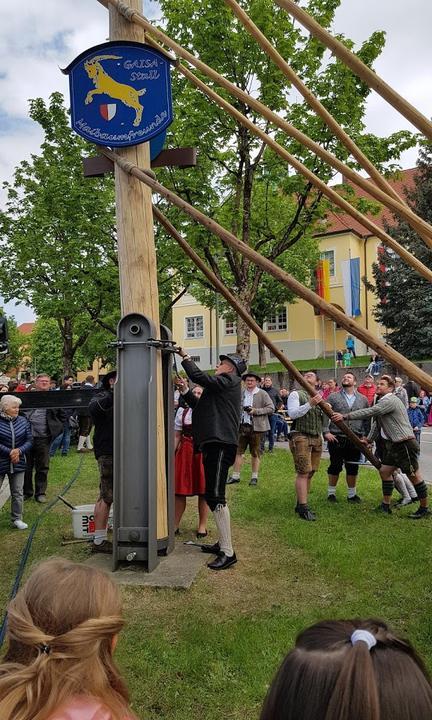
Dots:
pixel 135 472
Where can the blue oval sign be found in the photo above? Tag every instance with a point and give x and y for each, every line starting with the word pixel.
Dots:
pixel 120 93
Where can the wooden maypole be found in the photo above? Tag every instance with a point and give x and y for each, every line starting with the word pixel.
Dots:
pixel 136 252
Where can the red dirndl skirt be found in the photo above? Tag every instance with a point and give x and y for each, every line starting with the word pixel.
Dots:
pixel 189 470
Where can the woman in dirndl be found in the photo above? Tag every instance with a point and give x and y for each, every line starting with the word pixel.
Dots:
pixel 189 471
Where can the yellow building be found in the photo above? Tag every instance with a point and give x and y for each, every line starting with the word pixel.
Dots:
pixel 295 329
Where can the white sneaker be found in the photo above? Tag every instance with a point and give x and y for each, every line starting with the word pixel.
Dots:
pixel 20 525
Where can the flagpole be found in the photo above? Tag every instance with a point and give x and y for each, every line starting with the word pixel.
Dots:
pixel 323 334
pixel 334 350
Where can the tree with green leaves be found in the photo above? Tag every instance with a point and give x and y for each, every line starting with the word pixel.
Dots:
pixel 238 180
pixel 404 298
pixel 45 350
pixel 58 234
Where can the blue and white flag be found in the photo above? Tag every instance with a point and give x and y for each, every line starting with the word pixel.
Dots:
pixel 351 286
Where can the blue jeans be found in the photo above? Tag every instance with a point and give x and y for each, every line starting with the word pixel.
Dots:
pixel 61 441
pixel 271 432
pixel 281 428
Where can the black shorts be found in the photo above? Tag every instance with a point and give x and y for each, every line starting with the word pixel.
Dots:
pixel 403 455
pixel 343 452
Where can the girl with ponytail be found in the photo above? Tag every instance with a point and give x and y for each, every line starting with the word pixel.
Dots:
pixel 62 631
pixel 350 670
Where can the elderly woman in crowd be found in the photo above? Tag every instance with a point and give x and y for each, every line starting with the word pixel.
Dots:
pixel 15 442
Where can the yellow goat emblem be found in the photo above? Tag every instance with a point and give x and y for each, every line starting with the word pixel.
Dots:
pixel 104 84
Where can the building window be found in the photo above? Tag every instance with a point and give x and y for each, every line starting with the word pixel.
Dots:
pixel 195 327
pixel 330 256
pixel 278 321
pixel 230 327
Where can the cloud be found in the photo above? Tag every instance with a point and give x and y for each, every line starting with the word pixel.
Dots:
pixel 405 60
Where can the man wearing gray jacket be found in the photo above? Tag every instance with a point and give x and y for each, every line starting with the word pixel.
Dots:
pixel 341 449
pixel 400 449
pixel 257 406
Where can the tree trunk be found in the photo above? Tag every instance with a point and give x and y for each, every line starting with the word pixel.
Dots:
pixel 243 330
pixel 243 339
pixel 262 354
pixel 68 352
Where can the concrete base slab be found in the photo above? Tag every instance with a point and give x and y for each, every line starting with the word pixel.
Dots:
pixel 177 570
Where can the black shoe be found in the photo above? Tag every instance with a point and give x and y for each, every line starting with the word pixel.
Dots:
pixel 355 499
pixel 104 547
pixel 211 549
pixel 41 498
pixel 200 535
pixel 222 562
pixel 253 481
pixel 27 497
pixel 384 508
pixel 232 481
pixel 177 532
pixel 422 512
pixel 306 514
pixel 332 498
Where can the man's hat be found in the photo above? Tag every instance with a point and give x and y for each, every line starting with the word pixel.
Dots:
pixel 251 374
pixel 414 400
pixel 106 378
pixel 238 362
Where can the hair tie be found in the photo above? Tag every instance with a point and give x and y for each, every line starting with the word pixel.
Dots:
pixel 44 649
pixel 364 636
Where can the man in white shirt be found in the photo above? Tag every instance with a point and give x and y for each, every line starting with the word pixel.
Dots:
pixel 257 406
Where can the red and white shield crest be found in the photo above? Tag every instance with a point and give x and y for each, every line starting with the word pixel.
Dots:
pixel 108 110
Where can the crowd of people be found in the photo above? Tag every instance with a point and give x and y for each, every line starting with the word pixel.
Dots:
pixel 379 413
pixel 29 438
pixel 59 663
pixel 218 418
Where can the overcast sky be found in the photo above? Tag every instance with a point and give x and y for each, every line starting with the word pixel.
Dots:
pixel 37 38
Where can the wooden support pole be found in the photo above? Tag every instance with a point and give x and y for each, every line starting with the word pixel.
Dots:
pixel 403 253
pixel 395 358
pixel 417 223
pixel 420 225
pixel 359 68
pixel 137 255
pixel 240 310
pixel 318 107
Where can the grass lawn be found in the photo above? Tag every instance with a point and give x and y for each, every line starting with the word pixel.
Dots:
pixel 314 364
pixel 210 652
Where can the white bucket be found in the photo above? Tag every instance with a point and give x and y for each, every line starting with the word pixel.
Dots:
pixel 83 521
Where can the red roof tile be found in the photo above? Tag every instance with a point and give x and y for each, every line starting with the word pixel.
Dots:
pixel 26 328
pixel 342 222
